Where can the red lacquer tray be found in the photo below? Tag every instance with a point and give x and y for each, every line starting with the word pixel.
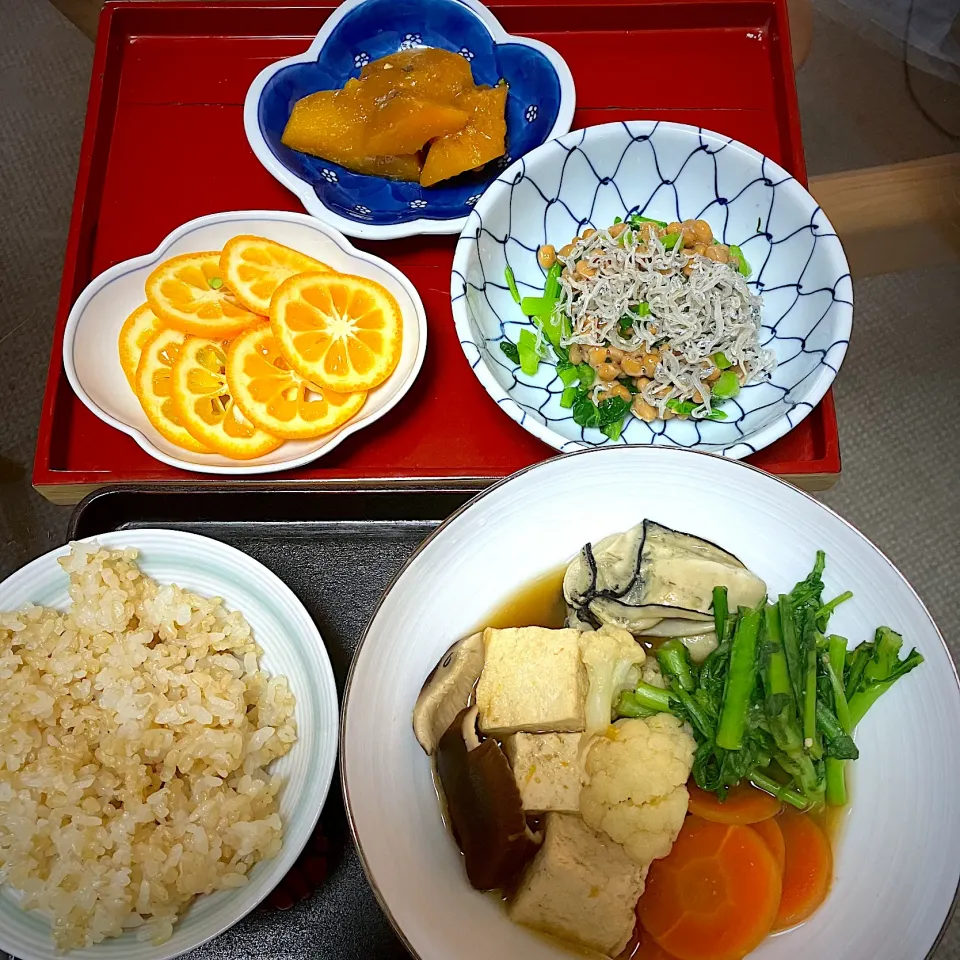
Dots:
pixel 164 143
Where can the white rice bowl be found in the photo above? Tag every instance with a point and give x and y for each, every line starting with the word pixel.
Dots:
pixel 144 744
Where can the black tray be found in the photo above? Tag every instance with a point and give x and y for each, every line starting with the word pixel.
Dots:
pixel 337 551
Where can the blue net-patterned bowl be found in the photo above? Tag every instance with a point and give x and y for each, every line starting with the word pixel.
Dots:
pixel 667 171
pixel 539 106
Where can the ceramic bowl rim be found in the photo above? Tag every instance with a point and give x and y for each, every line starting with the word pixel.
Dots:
pixel 422 225
pixel 149 259
pixel 745 445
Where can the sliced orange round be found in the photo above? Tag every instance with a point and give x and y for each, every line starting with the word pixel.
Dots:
pixel 188 292
pixel 137 329
pixel 253 268
pixel 275 397
pixel 341 332
pixel 206 407
pixel 153 389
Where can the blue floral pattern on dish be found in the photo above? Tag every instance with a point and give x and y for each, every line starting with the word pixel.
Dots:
pixel 669 172
pixel 376 28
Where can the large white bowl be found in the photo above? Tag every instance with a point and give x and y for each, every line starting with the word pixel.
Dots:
pixel 898 856
pixel 92 363
pixel 292 646
pixel 669 171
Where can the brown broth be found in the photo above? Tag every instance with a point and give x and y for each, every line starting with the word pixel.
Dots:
pixel 538 603
pixel 832 820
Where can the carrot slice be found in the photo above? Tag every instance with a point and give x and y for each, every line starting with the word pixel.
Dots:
pixel 715 896
pixel 649 949
pixel 808 869
pixel 743 804
pixel 773 838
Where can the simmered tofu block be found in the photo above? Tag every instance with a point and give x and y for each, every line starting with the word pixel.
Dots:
pixel 533 681
pixel 580 887
pixel 546 769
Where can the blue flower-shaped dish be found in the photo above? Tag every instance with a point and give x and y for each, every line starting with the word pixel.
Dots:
pixel 539 106
pixel 668 171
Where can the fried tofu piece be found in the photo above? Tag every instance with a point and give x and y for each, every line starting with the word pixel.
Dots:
pixel 533 681
pixel 547 771
pixel 581 887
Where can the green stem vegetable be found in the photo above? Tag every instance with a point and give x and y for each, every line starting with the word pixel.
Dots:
pixel 686 407
pixel 836 779
pixel 726 386
pixel 674 660
pixel 720 361
pixel 861 702
pixel 740 681
pixel 645 697
pixel 824 613
pixel 836 772
pixel 635 220
pixel 512 283
pixel 799 719
pixel 720 613
pixel 694 710
pixel 779 790
pixel 882 669
pixel 744 267
pixel 536 306
pixel 811 738
pixel 781 705
pixel 858 664
pixel 509 350
pixel 551 289
pixel 836 657
pixel 612 429
pixel 791 644
pixel 529 356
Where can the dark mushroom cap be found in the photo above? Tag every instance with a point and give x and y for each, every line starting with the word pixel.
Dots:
pixel 484 805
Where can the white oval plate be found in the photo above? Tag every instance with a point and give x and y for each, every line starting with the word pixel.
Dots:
pixel 292 647
pixel 898 857
pixel 92 363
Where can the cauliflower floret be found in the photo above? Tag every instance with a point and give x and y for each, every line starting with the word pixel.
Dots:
pixel 650 673
pixel 636 791
pixel 613 659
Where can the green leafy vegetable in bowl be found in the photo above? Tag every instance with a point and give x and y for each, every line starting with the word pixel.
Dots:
pixel 777 701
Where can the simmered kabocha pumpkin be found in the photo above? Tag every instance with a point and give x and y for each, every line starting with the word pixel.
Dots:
pixel 332 124
pixel 405 122
pixel 403 106
pixel 481 140
pixel 428 72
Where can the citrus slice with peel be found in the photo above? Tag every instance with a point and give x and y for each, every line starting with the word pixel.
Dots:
pixel 153 386
pixel 275 397
pixel 253 268
pixel 188 293
pixel 206 407
pixel 341 332
pixel 137 329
